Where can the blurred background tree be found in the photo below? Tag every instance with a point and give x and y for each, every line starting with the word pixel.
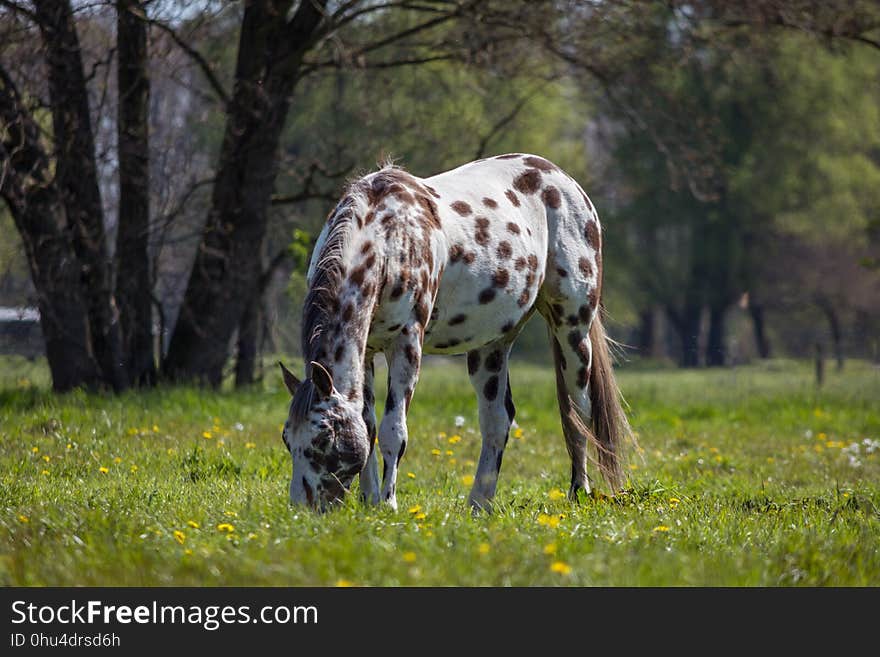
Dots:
pixel 733 153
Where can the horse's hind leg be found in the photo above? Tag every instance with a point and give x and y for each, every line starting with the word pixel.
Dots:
pixel 572 356
pixel 487 368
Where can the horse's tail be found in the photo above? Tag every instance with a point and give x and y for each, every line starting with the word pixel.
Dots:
pixel 610 425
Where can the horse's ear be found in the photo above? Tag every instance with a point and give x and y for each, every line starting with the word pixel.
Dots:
pixel 290 380
pixel 322 379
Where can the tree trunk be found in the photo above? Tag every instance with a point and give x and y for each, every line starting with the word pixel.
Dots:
pixel 38 212
pixel 646 333
pixel 687 324
pixel 77 179
pixel 134 282
pixel 834 328
pixel 716 354
pixel 248 344
pixel 227 265
pixel 762 344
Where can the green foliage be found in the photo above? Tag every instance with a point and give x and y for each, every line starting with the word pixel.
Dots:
pixel 745 477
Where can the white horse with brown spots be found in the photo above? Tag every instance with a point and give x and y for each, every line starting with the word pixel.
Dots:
pixel 451 264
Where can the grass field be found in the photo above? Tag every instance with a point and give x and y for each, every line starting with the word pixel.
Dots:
pixel 745 477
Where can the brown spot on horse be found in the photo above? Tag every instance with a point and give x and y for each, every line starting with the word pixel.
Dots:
pixel 528 182
pixel 513 228
pixel 551 197
pixel 500 278
pixel 481 235
pixel 504 250
pixel 461 208
pixel 512 197
pixel 539 163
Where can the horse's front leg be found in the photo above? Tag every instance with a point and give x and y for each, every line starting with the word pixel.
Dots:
pixel 404 359
pixel 369 477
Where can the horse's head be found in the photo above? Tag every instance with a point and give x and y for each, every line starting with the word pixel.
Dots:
pixel 326 435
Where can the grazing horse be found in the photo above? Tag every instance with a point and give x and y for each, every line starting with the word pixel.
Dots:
pixel 451 264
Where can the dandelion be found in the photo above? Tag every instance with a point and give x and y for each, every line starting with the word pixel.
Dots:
pixel 548 521
pixel 46 458
pixel 103 470
pixel 660 528
pixel 133 468
pixel 421 516
pixel 411 475
pixel 193 524
pixel 23 519
pixel 436 452
pixel 518 432
pixel 467 480
pixel 822 436
pixel 343 583
pixel 556 494
pixel 550 549
pixel 225 527
pixel 415 509
pixel 409 557
pixel 459 420
pixel 250 445
pixel 132 431
pixel 453 461
pixel 231 514
pixel 483 548
pixel 187 551
pixel 207 435
pixel 449 452
pixel 454 439
pixel 179 536
pixel 155 428
pixel 674 500
pixel 44 473
pixel 117 460
pixel 35 449
pixel 560 567
pixel 69 446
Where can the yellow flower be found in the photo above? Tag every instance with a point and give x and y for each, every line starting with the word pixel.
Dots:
pixel 436 452
pixel 179 536
pixel 415 509
pixel 35 449
pixel 409 557
pixel 103 470
pixel 231 514
pixel 69 446
pixel 117 460
pixel 449 452
pixel 518 433
pixel 548 521
pixel 411 475
pixel 420 516
pixel 155 428
pixel 556 494
pixel 467 480
pixel 23 519
pixel 132 431
pixel 483 548
pixel 134 468
pixel 454 439
pixel 250 445
pixel 187 551
pixel 660 528
pixel 193 524
pixel 560 567
pixel 44 472
pixel 343 583
pixel 225 527
pixel 822 436
pixel 207 435
pixel 550 549
pixel 453 461
pixel 674 500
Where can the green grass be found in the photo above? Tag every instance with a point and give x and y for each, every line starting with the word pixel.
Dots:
pixel 757 459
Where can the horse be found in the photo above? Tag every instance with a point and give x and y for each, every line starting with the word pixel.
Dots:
pixel 455 263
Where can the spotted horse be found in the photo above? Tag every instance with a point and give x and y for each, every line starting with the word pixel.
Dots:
pixel 451 264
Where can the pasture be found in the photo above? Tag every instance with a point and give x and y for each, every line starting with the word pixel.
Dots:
pixel 744 477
